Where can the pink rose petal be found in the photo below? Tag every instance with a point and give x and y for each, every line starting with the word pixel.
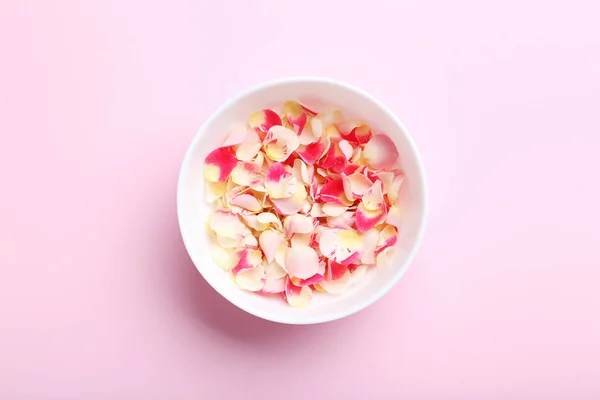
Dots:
pixel 302 262
pixel 394 191
pixel 269 242
pixel 251 279
pixel 280 183
pixel 263 120
pixel 373 198
pixel 221 257
pixel 313 280
pixel 360 184
pixel 274 285
pixel 248 258
pixel 219 164
pixel 246 174
pixel 228 225
pixel 291 205
pixel 280 143
pixel 335 160
pixel 335 270
pixel 313 152
pixel 370 242
pixel 344 221
pixel 337 286
pixel 394 216
pixel 388 237
pixel 298 223
pixel 340 244
pixel 297 296
pixel 215 190
pixel 248 202
pixel 333 210
pixel 332 192
pixel 380 152
pixel 275 271
pixel 368 219
pixel 387 256
pixel 269 218
pixel 246 151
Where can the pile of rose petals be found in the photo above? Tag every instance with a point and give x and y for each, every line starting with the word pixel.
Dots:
pixel 304 201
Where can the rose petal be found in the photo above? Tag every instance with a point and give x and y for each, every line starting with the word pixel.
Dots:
pixel 246 151
pixel 221 257
pixel 380 152
pixel 298 223
pixel 317 211
pixel 386 178
pixel 373 198
pixel 301 239
pixel 347 187
pixel 340 244
pixel 248 202
pixel 370 242
pixel 215 190
pixel 275 271
pixel 388 237
pixel 355 156
pixel 359 184
pixel 280 143
pixel 316 127
pixel 394 191
pixel 263 120
pixel 297 296
pixel 313 280
pixel 252 222
pixel 280 255
pixel 387 256
pixel 346 149
pixel 302 172
pixel 344 221
pixel 280 183
pixel 302 262
pixel 250 242
pixel 313 152
pixel 394 216
pixel 228 225
pixel 246 174
pixel 339 285
pixel 362 134
pixel 274 285
pixel 291 205
pixel 249 258
pixel 269 218
pixel 270 241
pixel 219 164
pixel 332 117
pixel 251 279
pixel 228 243
pixel 333 210
pixel 335 160
pixel 367 219
pixel 335 270
pixel 332 192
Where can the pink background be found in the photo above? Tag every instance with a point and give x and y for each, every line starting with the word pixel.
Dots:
pixel 100 99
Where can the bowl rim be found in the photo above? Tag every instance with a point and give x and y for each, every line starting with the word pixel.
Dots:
pixel 424 192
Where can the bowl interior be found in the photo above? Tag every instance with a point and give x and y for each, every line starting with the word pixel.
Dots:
pixel 193 210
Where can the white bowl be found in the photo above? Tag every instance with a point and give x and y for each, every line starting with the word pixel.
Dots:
pixel 315 93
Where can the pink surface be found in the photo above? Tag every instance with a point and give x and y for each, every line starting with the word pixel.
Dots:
pixel 99 100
